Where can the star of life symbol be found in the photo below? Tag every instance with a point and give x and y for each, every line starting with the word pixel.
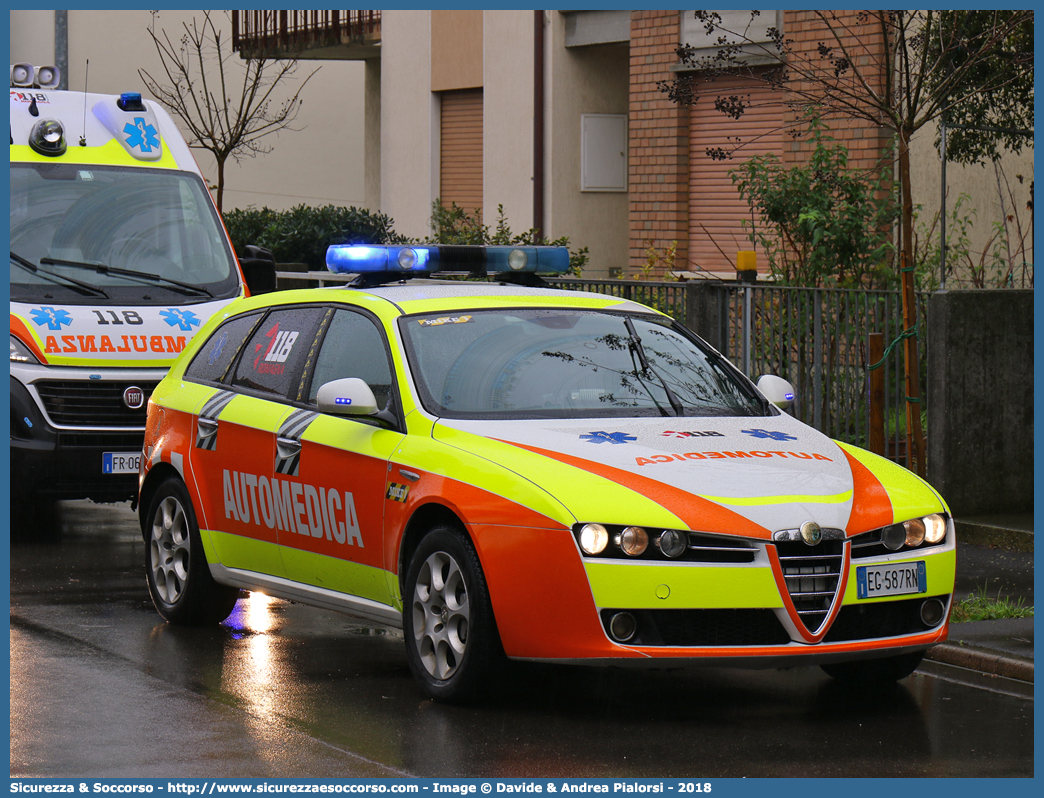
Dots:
pixel 183 319
pixel 54 319
pixel 141 135
pixel 764 433
pixel 608 437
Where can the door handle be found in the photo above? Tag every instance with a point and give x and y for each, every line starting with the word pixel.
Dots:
pixel 285 447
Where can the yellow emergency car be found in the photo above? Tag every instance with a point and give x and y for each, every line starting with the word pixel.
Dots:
pixel 503 469
pixel 118 256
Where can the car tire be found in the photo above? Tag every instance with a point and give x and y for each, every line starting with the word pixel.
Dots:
pixel 452 645
pixel 179 577
pixel 875 671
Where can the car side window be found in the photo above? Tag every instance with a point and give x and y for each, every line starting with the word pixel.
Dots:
pixel 353 347
pixel 215 356
pixel 277 354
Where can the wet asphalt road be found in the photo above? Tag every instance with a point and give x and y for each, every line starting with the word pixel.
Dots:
pixel 101 687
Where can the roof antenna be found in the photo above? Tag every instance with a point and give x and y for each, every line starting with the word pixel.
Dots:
pixel 83 135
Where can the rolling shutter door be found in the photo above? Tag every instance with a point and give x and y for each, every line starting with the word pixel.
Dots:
pixel 461 149
pixel 716 209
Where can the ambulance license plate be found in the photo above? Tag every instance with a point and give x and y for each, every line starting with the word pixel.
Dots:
pixel 891 580
pixel 120 462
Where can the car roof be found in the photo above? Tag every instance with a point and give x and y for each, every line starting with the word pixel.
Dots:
pixel 424 296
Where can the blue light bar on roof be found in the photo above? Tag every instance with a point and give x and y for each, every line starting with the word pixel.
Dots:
pixel 474 260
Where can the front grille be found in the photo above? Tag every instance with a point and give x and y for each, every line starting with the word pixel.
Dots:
pixel 109 441
pixel 712 548
pixel 885 619
pixel 87 403
pixel 711 628
pixel 812 574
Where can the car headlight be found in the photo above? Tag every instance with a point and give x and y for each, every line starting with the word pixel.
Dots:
pixel 929 529
pixel 594 538
pixel 20 352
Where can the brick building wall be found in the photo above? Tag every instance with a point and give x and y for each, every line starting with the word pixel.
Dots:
pixel 658 146
pixel 671 182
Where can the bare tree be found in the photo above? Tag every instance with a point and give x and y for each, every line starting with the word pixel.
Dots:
pixel 226 108
pixel 927 64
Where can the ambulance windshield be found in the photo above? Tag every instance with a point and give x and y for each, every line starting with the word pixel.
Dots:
pixel 566 363
pixel 97 233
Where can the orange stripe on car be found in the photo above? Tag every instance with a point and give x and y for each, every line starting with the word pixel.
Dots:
pixel 698 513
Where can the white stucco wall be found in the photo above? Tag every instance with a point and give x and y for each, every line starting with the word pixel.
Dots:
pixel 321 162
pixel 507 146
pixel 987 187
pixel 409 122
pixel 584 80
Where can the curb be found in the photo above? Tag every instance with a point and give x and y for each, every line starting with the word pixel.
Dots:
pixel 984 534
pixel 983 661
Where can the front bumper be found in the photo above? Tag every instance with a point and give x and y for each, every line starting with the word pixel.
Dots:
pixel 51 461
pixel 700 613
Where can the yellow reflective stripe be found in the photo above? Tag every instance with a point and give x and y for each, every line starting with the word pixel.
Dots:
pixel 343 576
pixel 186 397
pixel 256 413
pixel 758 501
pixel 632 586
pixel 910 495
pixel 940 570
pixel 242 552
pixel 112 153
pixel 522 299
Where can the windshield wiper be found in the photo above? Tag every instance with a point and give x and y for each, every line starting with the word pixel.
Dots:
pixel 102 268
pixel 636 347
pixel 29 266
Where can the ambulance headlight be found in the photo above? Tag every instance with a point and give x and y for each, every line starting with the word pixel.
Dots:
pixel 914 532
pixel 673 543
pixel 633 541
pixel 48 137
pixel 934 528
pixel 594 538
pixel 20 352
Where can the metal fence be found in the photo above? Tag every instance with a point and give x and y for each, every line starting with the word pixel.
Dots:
pixel 815 338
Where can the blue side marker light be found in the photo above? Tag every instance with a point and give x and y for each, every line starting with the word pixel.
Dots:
pixel 342 400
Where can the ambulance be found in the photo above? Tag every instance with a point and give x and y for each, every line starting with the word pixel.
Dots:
pixel 503 470
pixel 118 256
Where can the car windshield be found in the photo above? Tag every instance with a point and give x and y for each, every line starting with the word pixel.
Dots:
pixel 537 363
pixel 96 233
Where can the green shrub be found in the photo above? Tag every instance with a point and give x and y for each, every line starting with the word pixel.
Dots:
pixel 303 233
pixel 821 223
pixel 454 225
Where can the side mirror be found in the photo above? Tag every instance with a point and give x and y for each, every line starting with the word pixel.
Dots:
pixel 347 397
pixel 777 390
pixel 258 270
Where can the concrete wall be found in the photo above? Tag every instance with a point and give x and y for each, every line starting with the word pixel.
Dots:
pixel 583 80
pixel 987 187
pixel 507 118
pixel 320 162
pixel 980 408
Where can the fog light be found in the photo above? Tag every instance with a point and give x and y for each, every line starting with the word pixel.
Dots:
pixel 935 528
pixel 633 541
pixel 914 532
pixel 622 627
pixel 893 537
pixel 517 259
pixel 673 543
pixel 932 612
pixel 594 538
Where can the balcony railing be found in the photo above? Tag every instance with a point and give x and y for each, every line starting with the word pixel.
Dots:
pixel 306 34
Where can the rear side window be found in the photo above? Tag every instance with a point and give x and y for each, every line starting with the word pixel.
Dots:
pixel 212 361
pixel 278 352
